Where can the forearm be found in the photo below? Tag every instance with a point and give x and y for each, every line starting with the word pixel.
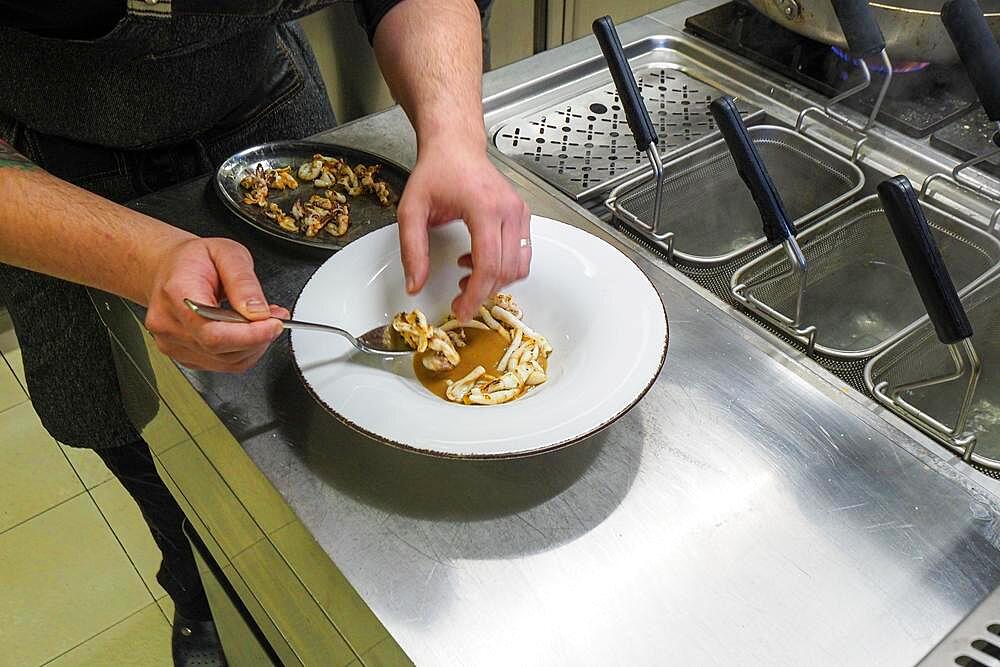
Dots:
pixel 430 52
pixel 50 226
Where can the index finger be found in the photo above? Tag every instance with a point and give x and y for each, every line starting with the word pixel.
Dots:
pixel 486 251
pixel 224 337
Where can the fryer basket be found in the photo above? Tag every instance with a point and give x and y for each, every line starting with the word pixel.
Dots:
pixel 859 296
pixel 918 354
pixel 708 211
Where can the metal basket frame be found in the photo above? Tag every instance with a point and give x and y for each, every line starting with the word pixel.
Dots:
pixel 954 176
pixel 793 326
pixel 665 239
pixel 966 362
pixel 954 437
pixel 827 109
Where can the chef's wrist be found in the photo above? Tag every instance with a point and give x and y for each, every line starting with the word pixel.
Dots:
pixel 458 138
pixel 158 257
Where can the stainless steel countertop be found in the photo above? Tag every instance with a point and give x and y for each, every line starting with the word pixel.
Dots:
pixel 750 510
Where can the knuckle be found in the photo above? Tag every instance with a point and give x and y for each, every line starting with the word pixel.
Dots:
pixel 172 286
pixel 155 323
pixel 507 273
pixel 209 339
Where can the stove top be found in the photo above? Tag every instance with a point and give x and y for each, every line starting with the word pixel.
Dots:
pixel 969 137
pixel 917 104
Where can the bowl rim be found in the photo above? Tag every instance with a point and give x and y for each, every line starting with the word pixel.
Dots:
pixel 566 442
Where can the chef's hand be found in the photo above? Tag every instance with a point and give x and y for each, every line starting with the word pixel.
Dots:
pixel 451 183
pixel 206 270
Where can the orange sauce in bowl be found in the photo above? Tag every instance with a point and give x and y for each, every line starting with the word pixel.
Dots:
pixel 482 348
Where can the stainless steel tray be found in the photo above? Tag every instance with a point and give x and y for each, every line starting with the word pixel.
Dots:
pixel 582 145
pixel 709 211
pixel 366 213
pixel 859 296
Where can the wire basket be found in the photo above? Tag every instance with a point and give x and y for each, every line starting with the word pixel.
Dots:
pixel 708 213
pixel 858 293
pixel 919 355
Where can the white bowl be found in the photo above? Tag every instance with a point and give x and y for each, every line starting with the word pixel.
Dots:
pixel 601 314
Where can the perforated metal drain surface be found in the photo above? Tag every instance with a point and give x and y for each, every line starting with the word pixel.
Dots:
pixel 585 141
pixel 974 642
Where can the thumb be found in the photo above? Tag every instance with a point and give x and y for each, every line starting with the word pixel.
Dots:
pixel 235 267
pixel 414 214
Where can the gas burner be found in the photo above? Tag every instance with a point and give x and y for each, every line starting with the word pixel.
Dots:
pixel 875 64
pixel 928 98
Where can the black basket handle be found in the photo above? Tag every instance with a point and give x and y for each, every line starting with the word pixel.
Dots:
pixel 977 49
pixel 751 168
pixel 924 260
pixel 864 38
pixel 628 91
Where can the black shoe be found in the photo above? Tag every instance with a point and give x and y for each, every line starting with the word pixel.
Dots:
pixel 196 644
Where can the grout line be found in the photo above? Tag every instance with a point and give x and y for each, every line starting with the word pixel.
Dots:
pixel 10 366
pixel 95 635
pixel 163 612
pixel 17 379
pixel 100 511
pixel 107 522
pixel 17 405
pixel 47 509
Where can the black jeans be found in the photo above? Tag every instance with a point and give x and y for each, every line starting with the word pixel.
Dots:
pixel 133 466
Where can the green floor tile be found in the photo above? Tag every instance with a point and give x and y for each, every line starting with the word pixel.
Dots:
pixel 9 348
pixel 11 392
pixel 87 465
pixel 64 579
pixel 34 475
pixel 126 521
pixel 141 639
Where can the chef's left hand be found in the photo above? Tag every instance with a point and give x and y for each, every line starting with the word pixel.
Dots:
pixel 459 182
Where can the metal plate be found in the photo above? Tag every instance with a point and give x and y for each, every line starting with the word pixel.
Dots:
pixel 366 213
pixel 585 142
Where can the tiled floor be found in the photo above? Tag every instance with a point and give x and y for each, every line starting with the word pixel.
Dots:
pixel 77 563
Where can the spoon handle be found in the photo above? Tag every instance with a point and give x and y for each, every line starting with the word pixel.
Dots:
pixel 225 315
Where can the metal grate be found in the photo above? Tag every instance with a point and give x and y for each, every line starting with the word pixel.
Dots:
pixel 974 642
pixel 585 142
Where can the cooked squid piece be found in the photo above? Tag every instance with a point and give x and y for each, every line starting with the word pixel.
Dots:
pixel 329 211
pixel 422 337
pixel 520 367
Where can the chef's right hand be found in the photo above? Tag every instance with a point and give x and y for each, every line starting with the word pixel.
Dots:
pixel 207 270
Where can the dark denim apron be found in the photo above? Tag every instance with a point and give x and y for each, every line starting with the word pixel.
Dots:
pixel 175 88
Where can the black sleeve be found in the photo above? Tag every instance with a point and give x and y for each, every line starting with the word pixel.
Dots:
pixel 371 12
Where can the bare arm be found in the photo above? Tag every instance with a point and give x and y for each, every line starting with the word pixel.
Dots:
pixel 50 226
pixel 430 52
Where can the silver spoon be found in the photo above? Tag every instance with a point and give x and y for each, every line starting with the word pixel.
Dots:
pixel 382 340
